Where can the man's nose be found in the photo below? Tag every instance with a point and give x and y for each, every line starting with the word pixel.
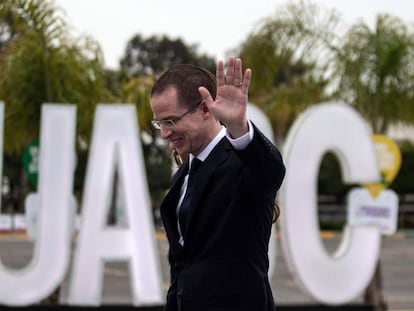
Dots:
pixel 165 131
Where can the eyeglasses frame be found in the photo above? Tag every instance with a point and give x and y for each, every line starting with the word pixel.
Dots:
pixel 169 123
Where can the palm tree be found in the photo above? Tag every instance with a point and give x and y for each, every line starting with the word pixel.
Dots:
pixel 376 72
pixel 285 54
pixel 41 63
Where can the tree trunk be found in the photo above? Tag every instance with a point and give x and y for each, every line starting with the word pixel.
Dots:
pixel 53 298
pixel 374 292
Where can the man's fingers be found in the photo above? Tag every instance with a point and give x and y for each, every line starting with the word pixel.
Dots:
pixel 246 81
pixel 233 75
pixel 237 80
pixel 230 71
pixel 220 73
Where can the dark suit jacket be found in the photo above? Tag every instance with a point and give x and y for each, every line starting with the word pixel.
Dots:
pixel 223 264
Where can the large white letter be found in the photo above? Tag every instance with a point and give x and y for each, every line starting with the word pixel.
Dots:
pixel 342 277
pixel 115 144
pixel 52 249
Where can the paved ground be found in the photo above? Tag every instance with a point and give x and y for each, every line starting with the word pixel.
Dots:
pixel 397 262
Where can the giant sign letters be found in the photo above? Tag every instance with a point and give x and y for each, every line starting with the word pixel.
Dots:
pixel 337 128
pixel 115 147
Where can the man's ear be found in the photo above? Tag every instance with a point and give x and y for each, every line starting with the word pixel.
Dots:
pixel 204 107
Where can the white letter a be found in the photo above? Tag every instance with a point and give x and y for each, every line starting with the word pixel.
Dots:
pixel 115 144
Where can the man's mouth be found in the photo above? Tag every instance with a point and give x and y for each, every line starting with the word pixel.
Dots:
pixel 176 141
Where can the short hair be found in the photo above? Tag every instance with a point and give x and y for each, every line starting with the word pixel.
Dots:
pixel 186 79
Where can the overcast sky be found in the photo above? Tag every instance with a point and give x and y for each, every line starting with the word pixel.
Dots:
pixel 215 25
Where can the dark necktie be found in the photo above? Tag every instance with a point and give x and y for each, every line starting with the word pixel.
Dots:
pixel 186 203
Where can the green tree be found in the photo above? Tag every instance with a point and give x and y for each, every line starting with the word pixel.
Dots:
pixel 41 63
pixel 151 56
pixel 375 69
pixel 284 56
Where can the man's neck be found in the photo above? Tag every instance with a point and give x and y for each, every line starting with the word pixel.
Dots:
pixel 220 132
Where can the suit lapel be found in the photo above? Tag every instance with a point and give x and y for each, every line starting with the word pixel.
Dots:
pixel 217 156
pixel 169 204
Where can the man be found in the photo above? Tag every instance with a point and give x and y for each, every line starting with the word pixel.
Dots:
pixel 219 238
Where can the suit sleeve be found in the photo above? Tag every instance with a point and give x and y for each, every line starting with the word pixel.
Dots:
pixel 263 162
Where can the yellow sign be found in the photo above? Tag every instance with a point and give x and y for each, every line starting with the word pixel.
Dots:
pixel 389 162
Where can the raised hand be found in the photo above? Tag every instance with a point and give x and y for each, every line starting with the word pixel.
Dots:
pixel 231 98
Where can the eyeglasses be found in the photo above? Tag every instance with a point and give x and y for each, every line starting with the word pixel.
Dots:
pixel 172 122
